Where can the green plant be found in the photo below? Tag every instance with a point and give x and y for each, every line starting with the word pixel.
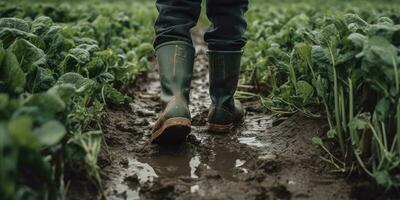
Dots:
pixel 344 62
pixel 59 66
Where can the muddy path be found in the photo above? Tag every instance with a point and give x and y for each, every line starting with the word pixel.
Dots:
pixel 268 157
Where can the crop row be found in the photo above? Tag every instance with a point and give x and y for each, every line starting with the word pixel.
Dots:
pixel 59 66
pixel 343 58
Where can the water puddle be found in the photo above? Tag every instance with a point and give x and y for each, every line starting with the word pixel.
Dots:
pixel 194 164
pixel 224 161
pixel 252 141
pixel 126 182
pixel 172 163
pixel 218 154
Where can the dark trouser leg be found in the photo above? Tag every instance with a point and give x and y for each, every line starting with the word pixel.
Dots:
pixel 225 40
pixel 228 24
pixel 175 56
pixel 176 18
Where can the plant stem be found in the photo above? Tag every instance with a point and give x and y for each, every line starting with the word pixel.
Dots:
pixel 337 111
pixel 353 134
pixel 293 77
pixel 398 126
pixel 396 75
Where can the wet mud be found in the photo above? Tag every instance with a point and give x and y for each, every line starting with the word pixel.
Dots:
pixel 267 157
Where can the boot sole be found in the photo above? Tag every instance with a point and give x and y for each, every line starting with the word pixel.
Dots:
pixel 173 131
pixel 219 128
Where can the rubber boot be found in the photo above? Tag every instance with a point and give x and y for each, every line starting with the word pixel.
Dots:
pixel 225 112
pixel 176 61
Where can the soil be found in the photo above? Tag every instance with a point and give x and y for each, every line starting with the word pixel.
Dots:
pixel 267 157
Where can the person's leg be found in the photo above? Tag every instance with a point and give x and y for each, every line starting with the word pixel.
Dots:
pixel 175 55
pixel 228 24
pixel 225 40
pixel 175 20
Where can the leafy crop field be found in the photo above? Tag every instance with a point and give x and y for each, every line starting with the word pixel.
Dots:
pixel 62 64
pixel 345 59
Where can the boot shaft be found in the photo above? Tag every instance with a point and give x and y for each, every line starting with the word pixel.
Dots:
pixel 175 61
pixel 224 70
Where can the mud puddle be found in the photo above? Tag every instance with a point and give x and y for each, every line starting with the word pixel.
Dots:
pixel 268 157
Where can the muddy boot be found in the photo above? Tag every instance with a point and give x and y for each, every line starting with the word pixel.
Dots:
pixel 225 111
pixel 176 67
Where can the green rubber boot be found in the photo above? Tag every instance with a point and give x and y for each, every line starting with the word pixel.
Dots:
pixel 225 112
pixel 176 61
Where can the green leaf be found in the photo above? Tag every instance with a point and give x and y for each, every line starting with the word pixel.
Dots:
pixel 49 133
pixel 113 95
pixel 82 55
pixel 42 80
pixel 320 55
pixel 95 67
pixel 64 91
pixel 378 51
pixel 385 30
pixel 41 25
pixel 4 99
pixel 9 35
pixel 15 23
pixel 382 109
pixel 81 84
pixel 304 51
pixel 21 129
pixel 353 18
pixel 2 53
pixel 330 36
pixel 11 73
pixel 317 141
pixel 382 177
pixel 85 146
pixel 145 49
pixel 8 160
pixel 28 55
pixel 47 102
pixel 305 91
pixel 69 64
pixel 357 39
pixel 360 122
pixel 331 133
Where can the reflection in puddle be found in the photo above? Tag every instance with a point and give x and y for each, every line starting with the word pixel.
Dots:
pixel 194 164
pixel 143 171
pixel 171 163
pixel 252 141
pixel 224 161
pixel 137 171
pixel 239 163
pixel 175 163
pixel 194 188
